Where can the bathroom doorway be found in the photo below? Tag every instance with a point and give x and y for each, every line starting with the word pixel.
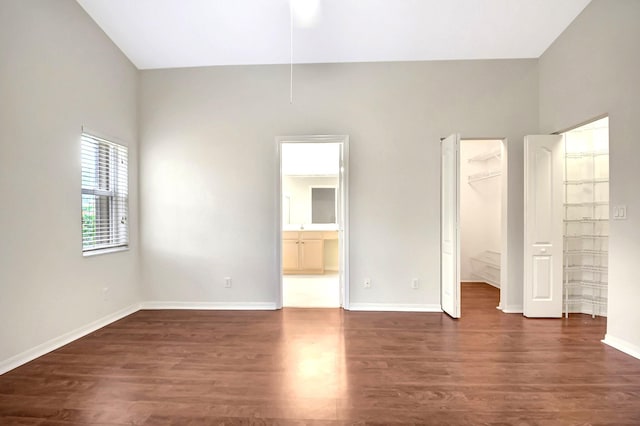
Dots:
pixel 313 200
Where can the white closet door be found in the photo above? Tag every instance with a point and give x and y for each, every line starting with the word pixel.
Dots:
pixel 543 226
pixel 450 226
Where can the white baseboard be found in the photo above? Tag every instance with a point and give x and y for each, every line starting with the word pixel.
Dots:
pixel 622 345
pixel 214 306
pixel 57 342
pixel 513 309
pixel 388 307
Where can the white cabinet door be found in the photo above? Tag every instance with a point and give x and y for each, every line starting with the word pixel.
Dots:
pixel 449 226
pixel 543 216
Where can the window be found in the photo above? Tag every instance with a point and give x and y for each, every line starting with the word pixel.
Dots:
pixel 105 195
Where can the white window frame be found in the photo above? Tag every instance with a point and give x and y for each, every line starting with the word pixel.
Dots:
pixel 107 182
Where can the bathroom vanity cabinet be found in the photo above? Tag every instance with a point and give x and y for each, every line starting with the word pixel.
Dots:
pixel 303 251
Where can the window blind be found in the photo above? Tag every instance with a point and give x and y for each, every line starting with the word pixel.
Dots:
pixel 105 194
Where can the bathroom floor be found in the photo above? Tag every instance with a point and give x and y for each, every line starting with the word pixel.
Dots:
pixel 311 291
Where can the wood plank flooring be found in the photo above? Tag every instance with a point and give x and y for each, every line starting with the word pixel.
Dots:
pixel 326 366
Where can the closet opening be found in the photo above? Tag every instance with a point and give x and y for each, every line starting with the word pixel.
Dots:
pixel 586 219
pixel 481 228
pixel 313 211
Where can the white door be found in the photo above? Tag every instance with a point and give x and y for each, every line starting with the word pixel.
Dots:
pixel 450 226
pixel 543 216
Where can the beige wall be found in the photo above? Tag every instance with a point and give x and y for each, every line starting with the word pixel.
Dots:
pixel 58 72
pixel 593 68
pixel 209 169
pixel 209 166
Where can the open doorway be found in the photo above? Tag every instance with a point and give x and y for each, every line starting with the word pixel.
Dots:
pixel 480 223
pixel 485 261
pixel 313 221
pixel 567 221
pixel 586 218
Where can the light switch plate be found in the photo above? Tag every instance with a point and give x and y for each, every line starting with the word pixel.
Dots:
pixel 620 212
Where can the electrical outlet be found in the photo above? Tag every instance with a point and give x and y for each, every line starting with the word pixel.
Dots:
pixel 414 283
pixel 105 294
pixel 227 282
pixel 367 283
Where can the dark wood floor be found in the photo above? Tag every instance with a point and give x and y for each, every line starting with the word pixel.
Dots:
pixel 326 366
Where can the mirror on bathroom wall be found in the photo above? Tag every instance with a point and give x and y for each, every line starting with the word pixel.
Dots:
pixel 309 200
pixel 323 205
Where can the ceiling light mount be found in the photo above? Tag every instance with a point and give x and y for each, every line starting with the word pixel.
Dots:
pixel 303 13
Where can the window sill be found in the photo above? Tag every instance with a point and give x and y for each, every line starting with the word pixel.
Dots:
pixel 104 251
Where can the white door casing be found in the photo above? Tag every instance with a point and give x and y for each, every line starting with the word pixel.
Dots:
pixel 343 218
pixel 450 226
pixel 543 216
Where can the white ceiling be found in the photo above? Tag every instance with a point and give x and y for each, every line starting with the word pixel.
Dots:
pixel 188 33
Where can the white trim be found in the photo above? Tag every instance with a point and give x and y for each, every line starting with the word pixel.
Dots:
pixel 388 307
pixel 108 250
pixel 515 309
pixel 66 338
pixel 622 345
pixel 215 306
pixel 344 256
pixel 504 223
pixel 104 136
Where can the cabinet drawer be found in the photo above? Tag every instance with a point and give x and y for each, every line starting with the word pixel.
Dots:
pixel 290 235
pixel 311 235
pixel 330 235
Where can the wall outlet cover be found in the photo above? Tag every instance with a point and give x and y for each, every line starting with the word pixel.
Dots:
pixel 620 212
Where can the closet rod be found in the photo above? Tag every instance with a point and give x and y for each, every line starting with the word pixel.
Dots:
pixel 585 154
pixel 485 175
pixel 486 156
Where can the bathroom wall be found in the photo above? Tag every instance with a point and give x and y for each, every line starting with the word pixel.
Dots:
pixel 298 188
